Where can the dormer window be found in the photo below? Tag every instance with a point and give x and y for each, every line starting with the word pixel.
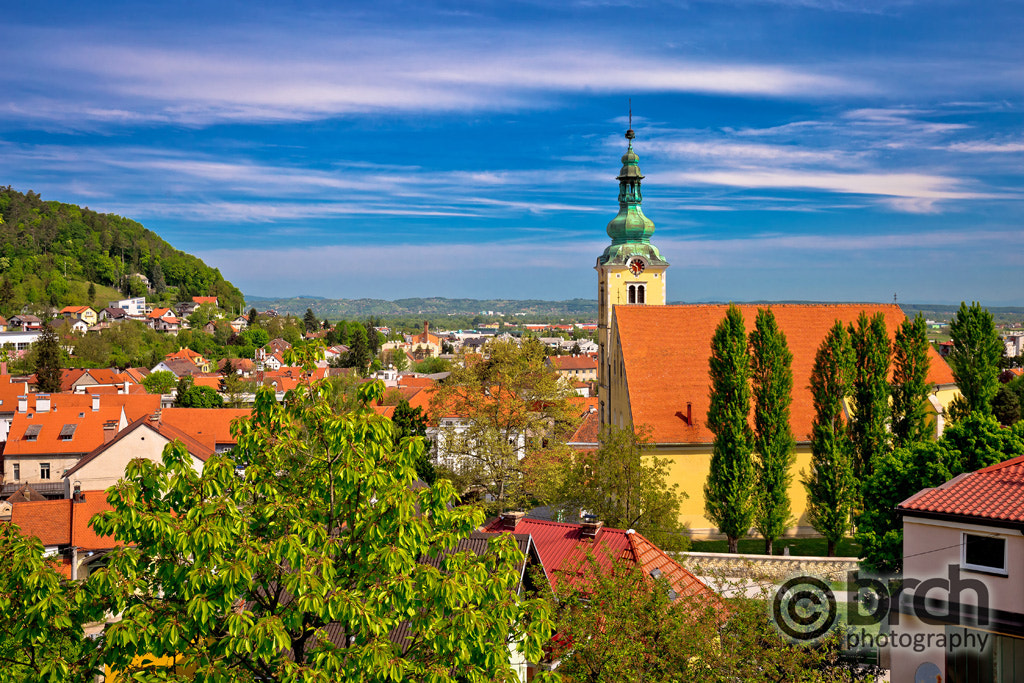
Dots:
pixel 67 432
pixel 32 432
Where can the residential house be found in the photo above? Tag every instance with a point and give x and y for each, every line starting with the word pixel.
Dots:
pixel 48 438
pixel 656 375
pixel 25 322
pixel 81 380
pixel 579 368
pixel 194 357
pixel 563 552
pixel 112 314
pixel 179 367
pixel 163 320
pixel 146 438
pixel 239 324
pixel 79 313
pixel 135 307
pixel 62 526
pixel 968 535
pixel 3 324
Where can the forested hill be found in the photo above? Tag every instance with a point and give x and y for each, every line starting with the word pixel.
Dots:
pixel 431 307
pixel 50 252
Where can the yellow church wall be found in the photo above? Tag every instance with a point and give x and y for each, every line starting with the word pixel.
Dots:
pixel 689 468
pixel 619 281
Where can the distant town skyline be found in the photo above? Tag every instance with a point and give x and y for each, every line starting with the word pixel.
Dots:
pixel 828 150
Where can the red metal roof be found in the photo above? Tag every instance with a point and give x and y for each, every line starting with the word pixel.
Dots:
pixel 995 493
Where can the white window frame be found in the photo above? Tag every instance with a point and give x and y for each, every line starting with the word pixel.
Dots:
pixel 964 564
pixel 48 471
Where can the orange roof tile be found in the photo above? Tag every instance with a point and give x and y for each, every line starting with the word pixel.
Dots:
pixel 34 433
pixel 563 549
pixel 208 426
pixel 47 520
pixel 588 431
pixel 991 493
pixel 9 393
pixel 83 536
pixel 199 450
pixel 665 350
pixel 204 299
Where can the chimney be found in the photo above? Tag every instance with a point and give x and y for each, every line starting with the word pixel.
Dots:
pixel 125 387
pixel 42 403
pixel 109 431
pixel 23 404
pixel 76 492
pixel 511 519
pixel 426 328
pixel 590 527
pixel 95 402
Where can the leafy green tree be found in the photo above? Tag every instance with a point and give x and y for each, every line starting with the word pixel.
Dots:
pixel 412 422
pixel 373 338
pixel 772 375
pixel 92 293
pixel 830 484
pixel 358 350
pixel 1006 406
pixel 254 317
pixel 42 631
pixel 341 330
pixel 975 359
pixel 48 361
pixel 870 424
pixel 191 396
pixel 256 337
pixel 975 442
pixel 910 382
pixel 729 492
pixel 432 365
pixel 6 296
pixel 160 382
pixel 157 279
pixel 310 321
pixel 620 625
pixel 303 568
pixel 626 488
pixel 508 404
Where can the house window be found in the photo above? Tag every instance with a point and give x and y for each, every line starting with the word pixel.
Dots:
pixel 983 553
pixel 44 470
pixel 632 294
pixel 16 471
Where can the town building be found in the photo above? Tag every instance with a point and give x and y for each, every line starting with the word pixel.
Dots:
pixel 653 360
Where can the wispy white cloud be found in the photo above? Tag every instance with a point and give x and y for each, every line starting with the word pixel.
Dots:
pixel 979 146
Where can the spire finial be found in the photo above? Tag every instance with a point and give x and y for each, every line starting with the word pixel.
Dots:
pixel 629 132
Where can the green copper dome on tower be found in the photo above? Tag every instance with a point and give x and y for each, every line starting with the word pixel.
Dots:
pixel 630 230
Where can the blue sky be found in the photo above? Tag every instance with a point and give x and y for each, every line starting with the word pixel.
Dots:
pixel 842 150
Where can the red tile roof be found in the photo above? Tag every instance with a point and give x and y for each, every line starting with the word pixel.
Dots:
pixel 563 551
pixel 992 493
pixel 34 433
pixel 199 450
pixel 83 536
pixel 665 350
pixel 204 299
pixel 9 393
pixel 588 431
pixel 208 426
pixel 47 520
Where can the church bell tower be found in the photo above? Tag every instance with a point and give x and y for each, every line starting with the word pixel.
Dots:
pixel 630 272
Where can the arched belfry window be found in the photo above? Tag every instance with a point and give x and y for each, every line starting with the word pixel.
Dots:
pixel 632 294
pixel 640 294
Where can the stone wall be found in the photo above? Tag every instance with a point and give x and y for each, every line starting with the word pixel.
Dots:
pixel 765 567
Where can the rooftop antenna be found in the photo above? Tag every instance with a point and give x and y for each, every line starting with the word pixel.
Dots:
pixel 894 297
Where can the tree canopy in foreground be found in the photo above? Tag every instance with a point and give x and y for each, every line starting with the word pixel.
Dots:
pixel 299 557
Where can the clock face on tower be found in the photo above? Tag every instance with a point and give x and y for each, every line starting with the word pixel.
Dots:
pixel 636 266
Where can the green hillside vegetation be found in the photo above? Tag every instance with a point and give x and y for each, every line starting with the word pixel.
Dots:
pixel 432 308
pixel 50 253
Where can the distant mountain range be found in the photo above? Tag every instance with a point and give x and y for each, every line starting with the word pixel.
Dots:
pixel 531 309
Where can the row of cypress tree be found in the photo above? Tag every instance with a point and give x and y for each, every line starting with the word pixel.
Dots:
pixel 750 469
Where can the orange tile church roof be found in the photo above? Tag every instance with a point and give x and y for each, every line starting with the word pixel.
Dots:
pixel 665 351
